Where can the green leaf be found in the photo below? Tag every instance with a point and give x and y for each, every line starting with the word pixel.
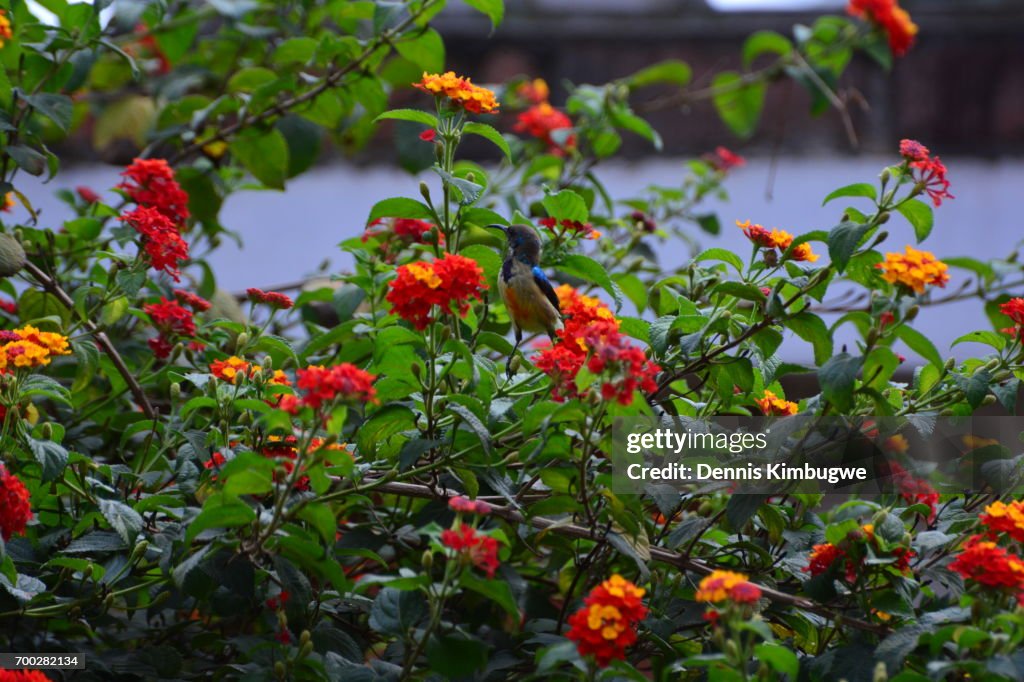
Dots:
pixel 920 216
pixel 566 205
pixel 857 189
pixel 837 378
pixel 295 51
pixel 627 120
pixel 723 255
pixel 779 658
pixel 414 115
pixel 425 50
pixel 28 159
pixel 812 329
pixel 474 424
pixel 764 42
pixel 993 339
pixel 250 79
pixel 843 240
pixel 494 9
pixel 52 457
pixel 57 108
pixel 668 72
pixel 399 207
pixel 738 103
pixel 397 612
pixel 975 386
pixel 467 191
pixel 741 508
pixel 590 270
pixel 920 344
pixel 125 521
pixel 497 591
pixel 489 133
pixel 220 511
pixel 264 154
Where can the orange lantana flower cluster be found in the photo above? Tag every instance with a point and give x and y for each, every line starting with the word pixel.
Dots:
pixel 777 239
pixel 28 347
pixel 230 369
pixel 914 269
pixel 591 337
pixel 460 92
pixel 286 452
pixel 1014 309
pixel 448 283
pixel 1001 517
pixel 607 622
pixel 891 18
pixel 772 405
pixel 6 31
pixel 727 586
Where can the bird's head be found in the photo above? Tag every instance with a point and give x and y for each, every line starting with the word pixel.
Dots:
pixel 523 242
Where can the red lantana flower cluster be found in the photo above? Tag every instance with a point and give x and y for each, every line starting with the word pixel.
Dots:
pixel 467 506
pixel 161 241
pixel 274 299
pixel 724 160
pixel 196 303
pixel 591 337
pixel 1014 309
pixel 540 121
pixel 319 386
pixel 170 319
pixel 15 511
pixel 479 548
pixel 914 490
pixel 23 676
pixel 852 552
pixel 607 622
pixel 989 565
pixel 1001 517
pixel 449 283
pixel 891 18
pixel 151 183
pixel 928 171
pixel 572 228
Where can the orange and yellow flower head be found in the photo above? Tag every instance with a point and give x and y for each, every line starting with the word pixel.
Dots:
pixel 914 269
pixel 460 92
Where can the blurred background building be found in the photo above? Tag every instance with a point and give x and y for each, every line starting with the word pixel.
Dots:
pixel 960 91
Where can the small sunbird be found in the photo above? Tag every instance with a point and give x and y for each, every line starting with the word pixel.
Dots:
pixel 527 292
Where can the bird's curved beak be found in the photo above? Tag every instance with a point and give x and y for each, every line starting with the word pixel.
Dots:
pixel 498 226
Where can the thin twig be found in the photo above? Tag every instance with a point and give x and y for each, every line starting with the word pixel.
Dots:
pixel 102 340
pixel 657 553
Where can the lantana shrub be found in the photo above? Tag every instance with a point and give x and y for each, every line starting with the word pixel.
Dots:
pixel 362 478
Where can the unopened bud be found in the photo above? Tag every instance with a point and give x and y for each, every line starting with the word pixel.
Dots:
pixel 883 218
pixel 268 364
pixel 140 550
pixel 879 518
pixel 515 364
pixel 988 400
pixel 446 333
pixel 75 611
pixel 912 313
pixel 87 573
pixel 46 431
pixel 417 370
pixel 304 638
pixel 242 341
pixel 257 375
pixel 439 152
pixel 907 540
pixel 950 364
pixel 705 508
pixel 175 391
pixel 108 601
pixel 471 176
pixel 771 258
pixel 425 191
pixel 245 418
pixel 427 560
pixel 305 650
pixel 872 336
pixel 279 670
pixel 992 364
pixel 880 674
pixel 885 176
pixel 732 649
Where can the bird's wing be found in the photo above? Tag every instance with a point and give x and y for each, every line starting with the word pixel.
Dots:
pixel 544 284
